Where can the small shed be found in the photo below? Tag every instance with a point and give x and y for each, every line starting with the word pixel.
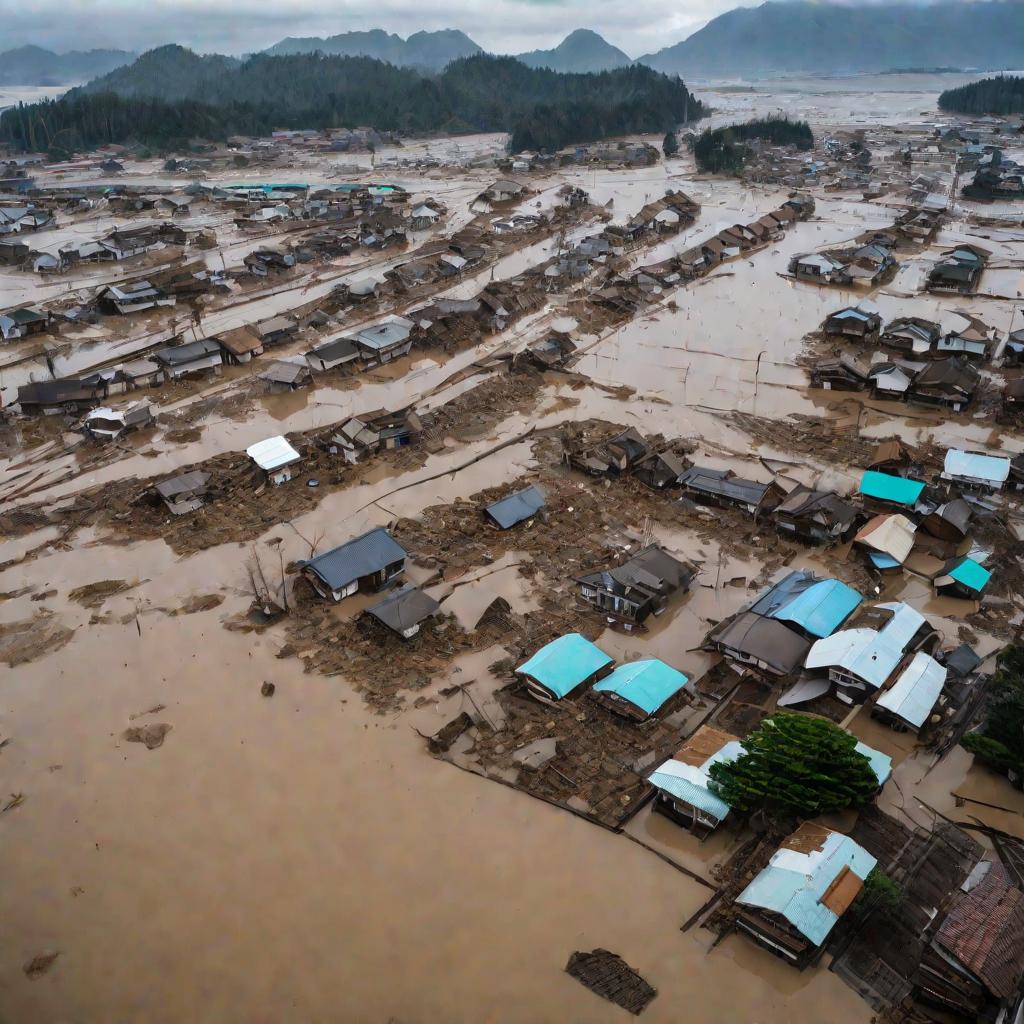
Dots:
pixel 563 666
pixel 963 577
pixel 275 456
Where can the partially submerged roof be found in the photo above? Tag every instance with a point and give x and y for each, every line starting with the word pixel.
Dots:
pixel 184 483
pixel 723 483
pixel 891 535
pixel 686 776
pixel 818 606
pixel 406 607
pixel 869 654
pixel 648 684
pixel 273 453
pixel 811 880
pixel 563 664
pixel 915 692
pixel 765 640
pixel 517 507
pixel 896 489
pixel 183 354
pixel 967 572
pixel 994 469
pixel 362 556
pixel 240 341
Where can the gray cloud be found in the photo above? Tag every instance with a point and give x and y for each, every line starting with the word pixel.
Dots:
pixel 502 26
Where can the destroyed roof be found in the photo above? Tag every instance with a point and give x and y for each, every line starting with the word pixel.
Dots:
pixel 823 506
pixel 362 556
pixel 652 570
pixel 990 468
pixel 647 683
pixel 915 691
pixel 869 654
pixel 764 640
pixel 892 535
pixel 182 354
pixel 517 507
pixel 811 880
pixel 272 453
pixel 962 661
pixel 563 664
pixel 184 483
pixel 818 606
pixel 896 489
pixel 949 373
pixel 406 607
pixel 985 932
pixel 957 513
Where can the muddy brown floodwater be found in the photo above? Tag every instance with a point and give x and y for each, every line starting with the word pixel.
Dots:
pixel 300 858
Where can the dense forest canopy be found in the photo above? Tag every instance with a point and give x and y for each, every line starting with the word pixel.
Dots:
pixel 171 95
pixel 1003 94
pixel 724 150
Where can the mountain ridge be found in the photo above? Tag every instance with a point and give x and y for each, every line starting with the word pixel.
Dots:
pixel 582 50
pixel 35 65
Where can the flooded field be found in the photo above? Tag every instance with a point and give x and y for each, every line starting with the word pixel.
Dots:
pixel 301 856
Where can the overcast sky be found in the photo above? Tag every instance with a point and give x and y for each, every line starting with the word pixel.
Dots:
pixel 240 26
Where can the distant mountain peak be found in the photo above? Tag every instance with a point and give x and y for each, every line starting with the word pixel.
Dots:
pixel 580 51
pixel 432 51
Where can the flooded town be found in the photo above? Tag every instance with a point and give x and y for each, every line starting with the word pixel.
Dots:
pixel 441 582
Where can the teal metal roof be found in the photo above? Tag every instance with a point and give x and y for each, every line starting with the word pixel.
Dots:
pixel 881 764
pixel 647 684
pixel 793 883
pixel 971 574
pixel 885 487
pixel 822 608
pixel 563 664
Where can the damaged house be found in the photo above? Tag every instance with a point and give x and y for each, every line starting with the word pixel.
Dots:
pixel 405 611
pixel 855 323
pixel 369 563
pixel 723 489
pixel 640 587
pixel 683 782
pixel 793 904
pixel 377 431
pixel 561 667
pixel 185 360
pixel 950 383
pixel 516 508
pixel 911 336
pixel 24 322
pixel 908 701
pixel 276 457
pixel 640 689
pixel 816 517
pixel 975 470
pixel 132 298
pixel 385 341
pixel 183 493
pixel 959 271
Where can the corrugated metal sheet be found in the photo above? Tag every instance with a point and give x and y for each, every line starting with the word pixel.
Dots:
pixel 822 608
pixel 881 764
pixel 647 684
pixel 892 535
pixel 273 453
pixel 563 664
pixel 689 783
pixel 971 575
pixel 886 487
pixel 991 468
pixel 915 692
pixel 794 884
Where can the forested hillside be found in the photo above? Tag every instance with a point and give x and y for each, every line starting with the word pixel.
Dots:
pixel 1003 94
pixel 170 96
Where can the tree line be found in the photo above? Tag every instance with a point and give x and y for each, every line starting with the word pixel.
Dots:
pixel 724 150
pixel 1003 94
pixel 171 96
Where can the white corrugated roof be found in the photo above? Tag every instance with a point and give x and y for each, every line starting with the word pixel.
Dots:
pixel 273 453
pixel 914 694
pixel 992 468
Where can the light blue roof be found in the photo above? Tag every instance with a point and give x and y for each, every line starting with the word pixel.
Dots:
pixel 563 664
pixel 690 784
pixel 886 487
pixel 881 764
pixel 851 313
pixel 990 468
pixel 880 560
pixel 647 684
pixel 822 608
pixel 915 692
pixel 971 574
pixel 793 883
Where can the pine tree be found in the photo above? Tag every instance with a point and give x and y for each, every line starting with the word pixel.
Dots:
pixel 796 765
pixel 671 144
